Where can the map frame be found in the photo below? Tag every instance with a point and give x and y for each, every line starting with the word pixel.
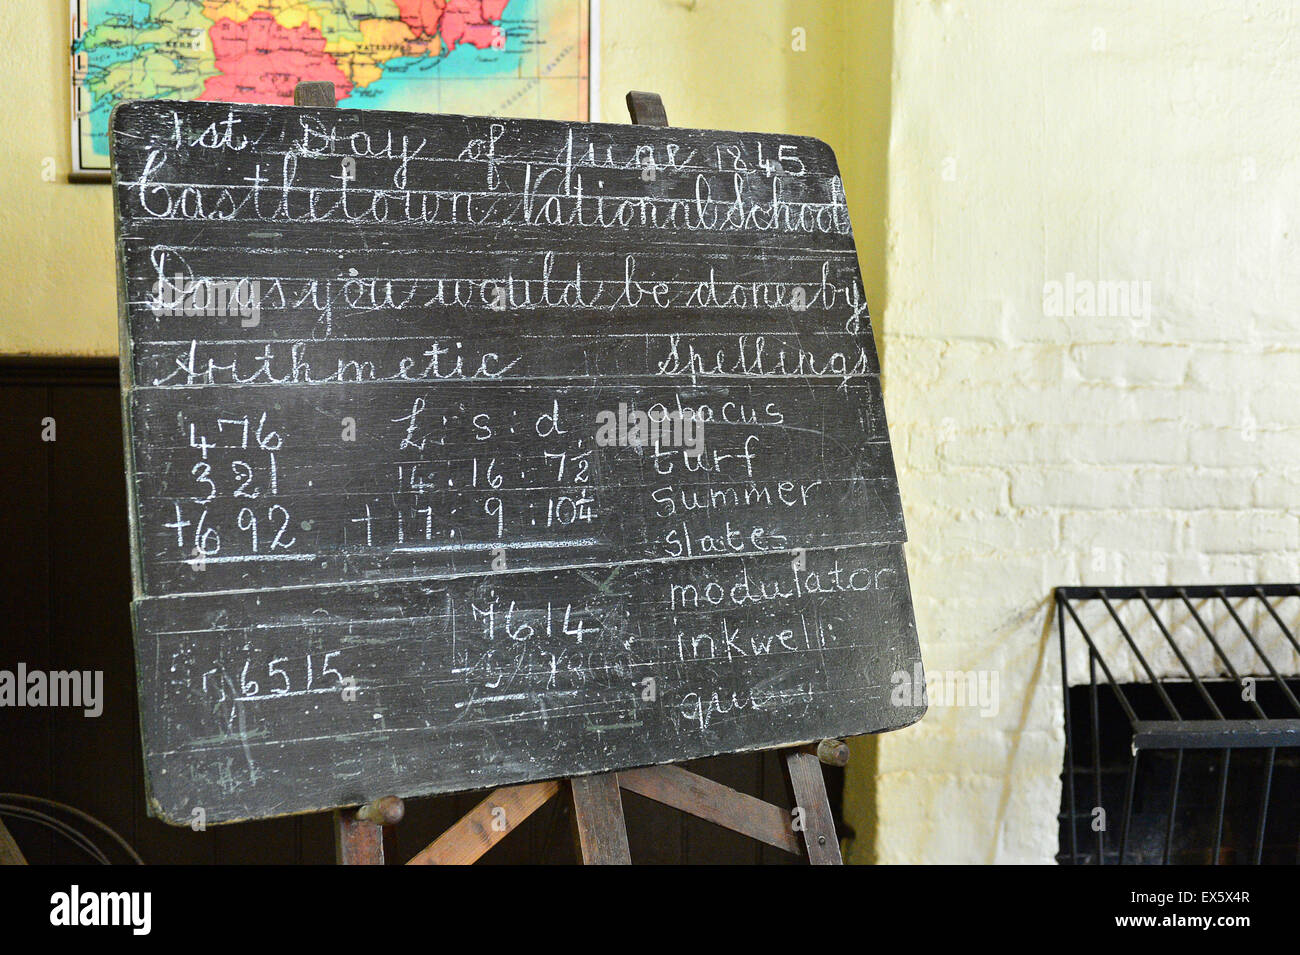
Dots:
pixel 82 170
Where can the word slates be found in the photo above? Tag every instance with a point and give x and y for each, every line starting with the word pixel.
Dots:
pixel 468 451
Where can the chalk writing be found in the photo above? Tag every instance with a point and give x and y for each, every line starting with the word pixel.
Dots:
pixel 450 435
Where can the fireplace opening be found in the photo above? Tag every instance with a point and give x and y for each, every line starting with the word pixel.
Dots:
pixel 1182 725
pixel 1195 805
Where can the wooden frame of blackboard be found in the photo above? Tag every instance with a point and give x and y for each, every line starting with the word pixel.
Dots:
pixel 600 830
pixel 227 752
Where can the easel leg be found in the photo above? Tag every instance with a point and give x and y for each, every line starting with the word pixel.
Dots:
pixel 809 789
pixel 598 816
pixel 357 842
pixel 10 854
pixel 359 833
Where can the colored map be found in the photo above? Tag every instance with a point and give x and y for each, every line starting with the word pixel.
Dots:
pixel 479 57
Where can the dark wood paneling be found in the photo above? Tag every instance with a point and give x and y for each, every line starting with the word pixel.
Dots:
pixel 24 600
pixel 89 628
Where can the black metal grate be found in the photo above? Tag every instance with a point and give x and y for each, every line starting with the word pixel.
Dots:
pixel 1200 729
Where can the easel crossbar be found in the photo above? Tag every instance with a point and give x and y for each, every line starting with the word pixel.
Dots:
pixel 719 804
pixel 598 813
pixel 486 824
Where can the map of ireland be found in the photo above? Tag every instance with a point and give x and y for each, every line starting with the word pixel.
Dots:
pixel 526 58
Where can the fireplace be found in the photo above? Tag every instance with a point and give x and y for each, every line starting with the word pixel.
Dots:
pixel 1182 724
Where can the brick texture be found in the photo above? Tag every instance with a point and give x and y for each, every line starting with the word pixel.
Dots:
pixel 1138 143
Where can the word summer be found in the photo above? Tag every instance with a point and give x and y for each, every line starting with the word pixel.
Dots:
pixel 639 429
pixel 76 688
pixel 213 298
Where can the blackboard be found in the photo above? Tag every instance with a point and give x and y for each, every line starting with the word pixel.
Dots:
pixel 466 451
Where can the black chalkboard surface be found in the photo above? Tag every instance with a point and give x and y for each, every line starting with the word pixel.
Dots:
pixel 468 451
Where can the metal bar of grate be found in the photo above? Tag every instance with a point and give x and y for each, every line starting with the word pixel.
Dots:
pixel 1215 734
pixel 1278 620
pixel 1218 649
pixel 1097 659
pixel 1187 667
pixel 1096 753
pixel 1173 809
pixel 1223 802
pixel 1268 664
pixel 1128 638
pixel 1263 807
pixel 1069 746
pixel 1196 592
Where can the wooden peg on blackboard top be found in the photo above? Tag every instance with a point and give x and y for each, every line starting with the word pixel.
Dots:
pixel 646 109
pixel 832 752
pixel 314 93
pixel 387 811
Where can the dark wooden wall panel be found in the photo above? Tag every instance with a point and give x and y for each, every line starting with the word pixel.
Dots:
pixel 86 630
pixel 24 599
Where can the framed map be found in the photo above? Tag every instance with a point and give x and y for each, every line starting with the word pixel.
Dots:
pixel 529 58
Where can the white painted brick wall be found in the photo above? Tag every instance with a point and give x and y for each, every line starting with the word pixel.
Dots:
pixel 1152 142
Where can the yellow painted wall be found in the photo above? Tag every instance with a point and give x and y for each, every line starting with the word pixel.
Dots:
pixel 717 63
pixel 56 238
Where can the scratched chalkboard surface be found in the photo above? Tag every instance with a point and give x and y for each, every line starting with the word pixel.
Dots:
pixel 468 451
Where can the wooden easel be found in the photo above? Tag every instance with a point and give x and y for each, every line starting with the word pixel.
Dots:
pixel 597 800
pixel 598 813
